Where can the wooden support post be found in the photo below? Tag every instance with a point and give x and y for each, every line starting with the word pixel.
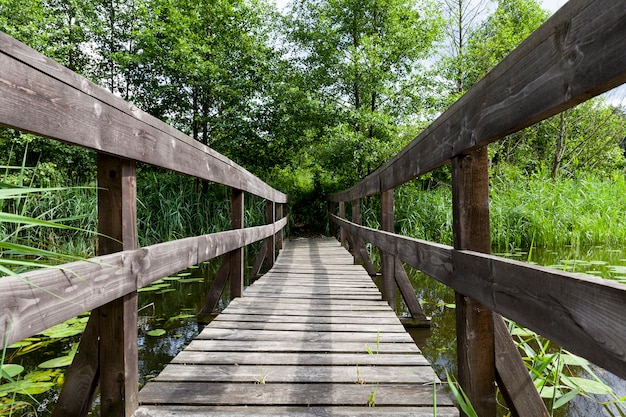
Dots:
pixel 355 240
pixel 333 229
pixel 475 335
pixel 271 241
pixel 279 234
pixel 216 290
pixel 236 257
pixel 388 263
pixel 513 378
pixel 342 231
pixel 117 223
pixel 108 348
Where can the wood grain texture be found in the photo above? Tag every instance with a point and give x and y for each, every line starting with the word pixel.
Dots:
pixel 291 411
pixel 474 323
pixel 44 298
pixel 577 54
pixel 325 343
pixel 513 377
pixel 42 97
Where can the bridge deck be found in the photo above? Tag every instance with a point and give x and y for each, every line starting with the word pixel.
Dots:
pixel 312 337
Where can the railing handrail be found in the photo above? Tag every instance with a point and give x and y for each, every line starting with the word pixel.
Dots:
pixel 577 54
pixel 45 98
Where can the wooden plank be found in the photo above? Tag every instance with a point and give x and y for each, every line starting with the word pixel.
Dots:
pixel 214 333
pixel 280 394
pixel 311 327
pixel 298 373
pixel 42 97
pixel 295 311
pixel 289 358
pixel 474 322
pixel 291 411
pixel 281 346
pixel 577 54
pixel 46 297
pixel 276 318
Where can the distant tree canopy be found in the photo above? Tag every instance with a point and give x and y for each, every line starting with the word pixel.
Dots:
pixel 311 99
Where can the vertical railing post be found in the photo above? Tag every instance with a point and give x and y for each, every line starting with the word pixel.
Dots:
pixel 356 218
pixel 342 231
pixel 388 261
pixel 117 321
pixel 107 353
pixel 279 234
pixel 475 332
pixel 236 256
pixel 332 227
pixel 271 240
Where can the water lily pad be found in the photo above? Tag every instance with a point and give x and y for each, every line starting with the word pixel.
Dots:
pixel 10 370
pixel 166 290
pixel 26 387
pixel 156 332
pixel 59 362
pixel 189 280
pixel 171 278
pixel 20 344
pixel 183 274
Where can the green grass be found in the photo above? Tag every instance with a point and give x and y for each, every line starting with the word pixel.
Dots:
pixel 526 211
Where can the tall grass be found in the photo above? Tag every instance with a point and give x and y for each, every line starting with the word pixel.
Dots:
pixel 526 211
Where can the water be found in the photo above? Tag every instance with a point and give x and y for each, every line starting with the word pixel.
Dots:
pixel 439 346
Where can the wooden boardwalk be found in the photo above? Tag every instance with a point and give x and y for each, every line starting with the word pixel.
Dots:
pixel 312 337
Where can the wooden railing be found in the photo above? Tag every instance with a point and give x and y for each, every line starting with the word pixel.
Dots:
pixel 578 53
pixel 39 96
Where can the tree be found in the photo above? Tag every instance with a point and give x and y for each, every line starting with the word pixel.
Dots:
pixel 361 59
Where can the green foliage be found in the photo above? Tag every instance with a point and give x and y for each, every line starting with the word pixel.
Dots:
pixel 361 59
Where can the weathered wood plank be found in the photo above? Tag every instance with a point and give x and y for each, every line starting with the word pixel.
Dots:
pixel 281 346
pixel 280 394
pixel 291 358
pixel 295 311
pixel 298 373
pixel 311 327
pixel 211 333
pixel 276 318
pixel 577 54
pixel 41 96
pixel 44 298
pixel 290 411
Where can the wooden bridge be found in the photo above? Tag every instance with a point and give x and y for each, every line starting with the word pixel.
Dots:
pixel 579 53
pixel 313 337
